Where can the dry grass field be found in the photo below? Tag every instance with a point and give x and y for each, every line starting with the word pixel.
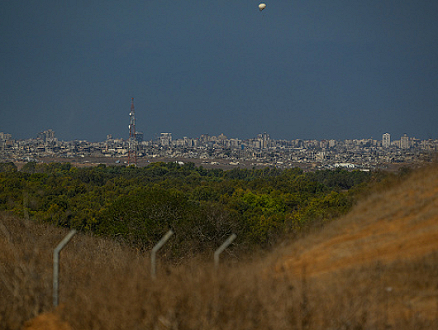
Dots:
pixel 375 268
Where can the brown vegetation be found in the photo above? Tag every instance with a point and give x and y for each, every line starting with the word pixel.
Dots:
pixel 376 268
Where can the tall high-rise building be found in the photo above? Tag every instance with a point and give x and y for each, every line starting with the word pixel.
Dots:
pixel 264 139
pixel 5 136
pixel 386 140
pixel 165 139
pixel 46 136
pixel 404 142
pixel 139 136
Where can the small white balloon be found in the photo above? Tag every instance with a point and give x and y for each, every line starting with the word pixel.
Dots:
pixel 262 6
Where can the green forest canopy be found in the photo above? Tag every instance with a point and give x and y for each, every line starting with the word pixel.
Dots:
pixel 202 206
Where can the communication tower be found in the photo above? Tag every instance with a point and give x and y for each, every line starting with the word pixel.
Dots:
pixel 132 142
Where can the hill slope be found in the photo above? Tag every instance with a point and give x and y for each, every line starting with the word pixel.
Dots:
pixel 398 223
pixel 382 255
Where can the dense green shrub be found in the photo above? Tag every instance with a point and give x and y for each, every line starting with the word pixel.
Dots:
pixel 203 207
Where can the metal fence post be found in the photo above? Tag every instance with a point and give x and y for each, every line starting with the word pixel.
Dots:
pixel 56 266
pixel 222 248
pixel 154 252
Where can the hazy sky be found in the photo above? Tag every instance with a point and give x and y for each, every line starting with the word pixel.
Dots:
pixel 308 69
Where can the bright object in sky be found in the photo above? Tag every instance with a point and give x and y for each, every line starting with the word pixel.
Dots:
pixel 262 6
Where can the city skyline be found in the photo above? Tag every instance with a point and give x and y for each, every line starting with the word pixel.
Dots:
pixel 385 140
pixel 224 152
pixel 308 70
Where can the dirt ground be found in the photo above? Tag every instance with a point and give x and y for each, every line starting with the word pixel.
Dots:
pixel 47 321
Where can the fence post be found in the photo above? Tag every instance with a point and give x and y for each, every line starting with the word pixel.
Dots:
pixel 154 252
pixel 56 266
pixel 222 248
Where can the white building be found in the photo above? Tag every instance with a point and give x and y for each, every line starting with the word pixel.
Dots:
pixel 165 139
pixel 404 142
pixel 386 140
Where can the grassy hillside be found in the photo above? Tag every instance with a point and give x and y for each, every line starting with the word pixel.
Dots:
pixel 400 221
pixel 375 268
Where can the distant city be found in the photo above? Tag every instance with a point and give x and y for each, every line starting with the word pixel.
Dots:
pixel 261 150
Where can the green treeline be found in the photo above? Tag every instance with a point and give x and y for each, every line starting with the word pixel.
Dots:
pixel 203 207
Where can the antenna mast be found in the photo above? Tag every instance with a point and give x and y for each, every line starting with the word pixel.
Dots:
pixel 132 143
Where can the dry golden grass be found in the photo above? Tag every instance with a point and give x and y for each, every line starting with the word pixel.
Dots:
pixel 376 268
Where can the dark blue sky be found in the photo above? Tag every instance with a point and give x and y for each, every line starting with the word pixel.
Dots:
pixel 308 69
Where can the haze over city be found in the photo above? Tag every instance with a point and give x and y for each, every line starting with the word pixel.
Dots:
pixel 298 69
